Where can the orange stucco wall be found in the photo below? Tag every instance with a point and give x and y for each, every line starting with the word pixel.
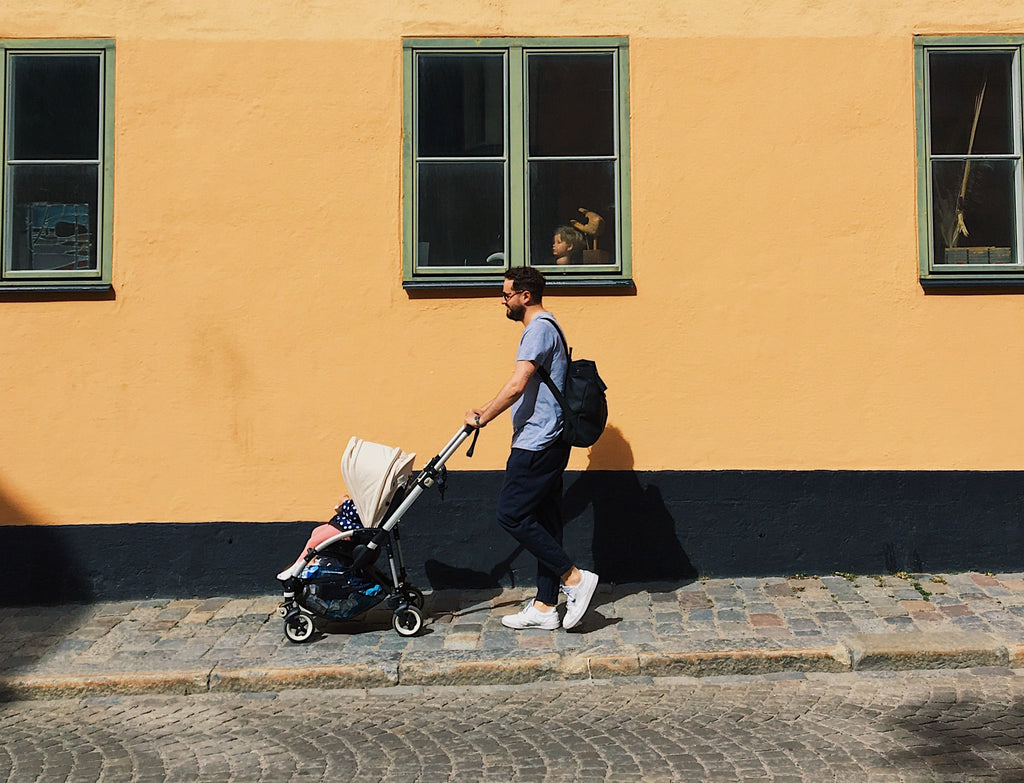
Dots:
pixel 259 319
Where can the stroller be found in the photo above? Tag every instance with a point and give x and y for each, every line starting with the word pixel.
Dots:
pixel 337 580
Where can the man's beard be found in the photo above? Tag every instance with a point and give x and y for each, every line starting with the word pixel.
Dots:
pixel 515 313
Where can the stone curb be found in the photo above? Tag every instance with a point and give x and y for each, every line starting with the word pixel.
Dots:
pixel 70 686
pixel 487 671
pixel 858 652
pixel 1015 653
pixel 730 662
pixel 871 652
pixel 326 677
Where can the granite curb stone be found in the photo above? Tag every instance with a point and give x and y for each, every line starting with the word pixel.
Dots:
pixel 892 651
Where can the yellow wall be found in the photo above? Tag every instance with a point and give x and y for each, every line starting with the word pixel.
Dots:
pixel 259 318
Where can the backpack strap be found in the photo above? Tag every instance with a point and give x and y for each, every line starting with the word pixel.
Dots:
pixel 546 376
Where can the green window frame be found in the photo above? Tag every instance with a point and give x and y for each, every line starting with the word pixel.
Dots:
pixel 490 170
pixel 970 147
pixel 56 188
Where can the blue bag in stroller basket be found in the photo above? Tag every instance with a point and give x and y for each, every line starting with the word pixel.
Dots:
pixel 336 592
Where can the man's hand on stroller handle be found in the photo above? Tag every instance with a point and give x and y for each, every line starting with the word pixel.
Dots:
pixel 473 418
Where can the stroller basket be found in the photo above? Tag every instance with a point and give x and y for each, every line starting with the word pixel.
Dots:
pixel 335 591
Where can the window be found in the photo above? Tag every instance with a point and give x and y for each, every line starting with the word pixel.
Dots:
pixel 505 141
pixel 969 160
pixel 57 125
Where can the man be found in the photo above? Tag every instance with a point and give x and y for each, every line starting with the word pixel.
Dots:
pixel 530 501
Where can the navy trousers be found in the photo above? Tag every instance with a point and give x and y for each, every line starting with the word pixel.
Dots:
pixel 530 509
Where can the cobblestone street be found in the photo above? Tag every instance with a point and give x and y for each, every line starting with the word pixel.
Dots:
pixel 960 725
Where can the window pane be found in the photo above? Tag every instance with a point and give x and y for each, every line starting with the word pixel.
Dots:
pixel 572 104
pixel 979 228
pixel 970 103
pixel 461 105
pixel 55 107
pixel 461 214
pixel 558 190
pixel 54 210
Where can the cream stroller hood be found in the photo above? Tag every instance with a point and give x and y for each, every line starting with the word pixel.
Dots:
pixel 373 473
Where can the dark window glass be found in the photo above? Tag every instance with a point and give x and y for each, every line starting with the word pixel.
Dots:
pixel 970 103
pixel 55 107
pixel 556 137
pixel 54 217
pixel 571 104
pixel 461 214
pixel 559 189
pixel 970 111
pixel 978 227
pixel 461 106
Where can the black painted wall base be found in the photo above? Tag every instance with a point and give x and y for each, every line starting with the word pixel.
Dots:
pixel 628 526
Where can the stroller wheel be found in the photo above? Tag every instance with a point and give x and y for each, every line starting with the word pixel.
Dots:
pixel 407 621
pixel 298 627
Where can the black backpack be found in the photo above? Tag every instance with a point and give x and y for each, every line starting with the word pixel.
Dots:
pixel 584 406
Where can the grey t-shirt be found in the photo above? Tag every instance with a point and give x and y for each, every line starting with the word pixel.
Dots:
pixel 536 415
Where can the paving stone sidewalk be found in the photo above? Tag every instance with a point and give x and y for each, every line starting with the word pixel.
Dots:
pixel 712 626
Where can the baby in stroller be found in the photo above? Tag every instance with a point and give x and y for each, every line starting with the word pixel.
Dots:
pixel 345 518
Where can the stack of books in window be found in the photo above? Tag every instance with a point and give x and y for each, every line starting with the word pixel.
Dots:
pixel 979 255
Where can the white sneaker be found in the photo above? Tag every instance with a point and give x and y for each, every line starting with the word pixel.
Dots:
pixel 579 596
pixel 531 617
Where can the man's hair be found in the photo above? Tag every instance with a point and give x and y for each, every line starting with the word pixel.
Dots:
pixel 527 278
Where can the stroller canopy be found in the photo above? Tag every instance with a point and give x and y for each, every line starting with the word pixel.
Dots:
pixel 373 473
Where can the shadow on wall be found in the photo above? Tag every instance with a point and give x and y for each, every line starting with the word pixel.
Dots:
pixel 635 537
pixel 37 570
pixel 37 565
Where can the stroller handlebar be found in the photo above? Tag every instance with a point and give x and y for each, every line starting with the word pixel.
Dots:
pixel 364 555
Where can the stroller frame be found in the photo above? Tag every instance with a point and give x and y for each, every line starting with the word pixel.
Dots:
pixel 366 544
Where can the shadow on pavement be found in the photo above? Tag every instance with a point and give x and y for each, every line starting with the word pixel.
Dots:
pixel 959 738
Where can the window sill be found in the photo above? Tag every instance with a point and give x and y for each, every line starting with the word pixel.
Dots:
pixel 618 284
pixel 1005 282
pixel 59 290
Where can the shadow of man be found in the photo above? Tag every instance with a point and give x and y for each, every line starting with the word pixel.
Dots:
pixel 635 537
